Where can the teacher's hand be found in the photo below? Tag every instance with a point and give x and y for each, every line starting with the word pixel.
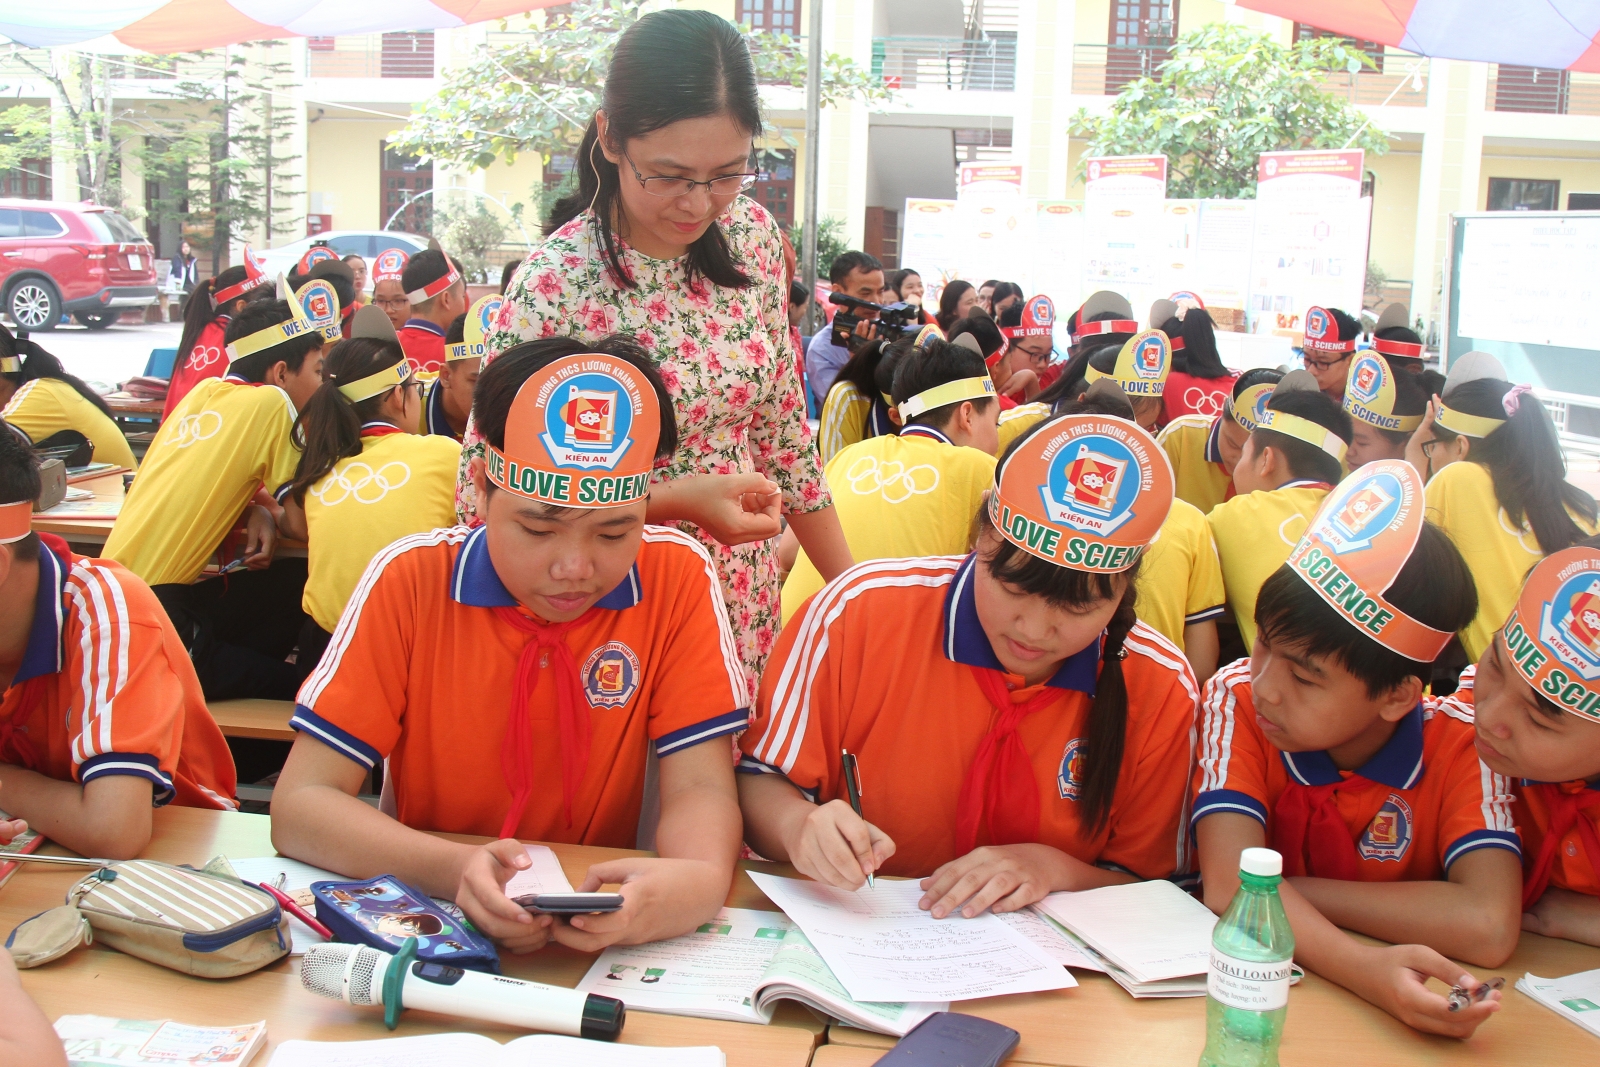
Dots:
pixel 734 508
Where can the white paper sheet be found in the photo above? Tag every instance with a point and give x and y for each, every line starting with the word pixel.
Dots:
pixel 297 876
pixel 544 874
pixel 1042 931
pixel 1153 930
pixel 881 946
pixel 453 1050
pixel 1575 997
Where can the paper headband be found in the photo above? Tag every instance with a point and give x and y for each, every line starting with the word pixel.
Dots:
pixel 1085 492
pixel 1466 425
pixel 255 276
pixel 16 521
pixel 435 287
pixel 390 264
pixel 1038 320
pixel 480 322
pixel 377 382
pixel 1398 349
pixel 321 305
pixel 1353 550
pixel 1142 365
pixel 298 324
pixel 1304 430
pixel 314 255
pixel 1249 409
pixel 1103 327
pixel 1553 634
pixel 1322 333
pixel 1184 296
pixel 928 333
pixel 582 433
pixel 1369 395
pixel 948 393
pixel 10 365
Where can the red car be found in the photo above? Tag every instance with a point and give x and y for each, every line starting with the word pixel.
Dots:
pixel 58 258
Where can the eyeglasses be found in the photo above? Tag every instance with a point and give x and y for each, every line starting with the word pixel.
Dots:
pixel 1323 364
pixel 391 302
pixel 726 185
pixel 1429 446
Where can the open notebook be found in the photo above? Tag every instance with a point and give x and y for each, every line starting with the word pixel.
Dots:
pixel 453 1050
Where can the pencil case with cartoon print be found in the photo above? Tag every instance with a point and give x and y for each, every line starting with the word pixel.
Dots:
pixel 384 911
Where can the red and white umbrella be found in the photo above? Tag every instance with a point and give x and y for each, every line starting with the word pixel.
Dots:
pixel 160 27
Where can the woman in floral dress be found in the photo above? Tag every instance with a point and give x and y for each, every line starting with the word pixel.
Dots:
pixel 659 244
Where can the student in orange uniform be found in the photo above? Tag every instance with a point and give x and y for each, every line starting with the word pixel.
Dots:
pixel 387 291
pixel 564 640
pixel 1536 693
pixel 1324 745
pixel 207 311
pixel 437 295
pixel 1330 341
pixel 447 401
pixel 1019 731
pixel 102 718
pixel 1287 467
pixel 1203 451
pixel 1385 409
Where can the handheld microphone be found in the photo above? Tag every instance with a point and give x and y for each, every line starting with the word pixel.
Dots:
pixel 359 974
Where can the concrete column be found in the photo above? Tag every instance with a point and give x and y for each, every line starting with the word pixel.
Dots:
pixel 847 30
pixel 1452 154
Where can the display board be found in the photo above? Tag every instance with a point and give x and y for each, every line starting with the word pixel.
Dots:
pixel 1522 285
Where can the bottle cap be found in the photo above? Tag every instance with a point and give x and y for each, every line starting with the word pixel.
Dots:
pixel 603 1017
pixel 1261 862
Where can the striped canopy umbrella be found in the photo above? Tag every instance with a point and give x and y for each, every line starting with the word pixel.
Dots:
pixel 159 27
pixel 1553 34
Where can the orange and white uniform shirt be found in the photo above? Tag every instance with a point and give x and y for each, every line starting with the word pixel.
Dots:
pixel 421 667
pixel 880 663
pixel 1417 806
pixel 106 688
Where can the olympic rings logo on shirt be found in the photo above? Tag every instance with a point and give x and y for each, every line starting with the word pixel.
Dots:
pixel 357 480
pixel 1521 535
pixel 192 429
pixel 1203 401
pixel 1293 540
pixel 201 358
pixel 894 480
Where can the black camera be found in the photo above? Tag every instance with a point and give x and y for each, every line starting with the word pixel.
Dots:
pixel 893 322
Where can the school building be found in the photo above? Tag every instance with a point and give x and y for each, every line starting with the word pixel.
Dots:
pixel 991 80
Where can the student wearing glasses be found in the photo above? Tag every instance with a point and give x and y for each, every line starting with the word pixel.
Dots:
pixel 387 291
pixel 1329 343
pixel 657 243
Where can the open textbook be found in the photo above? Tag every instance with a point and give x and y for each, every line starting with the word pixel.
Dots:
pixel 1575 998
pixel 737 967
pixel 453 1050
pixel 100 1041
pixel 1153 939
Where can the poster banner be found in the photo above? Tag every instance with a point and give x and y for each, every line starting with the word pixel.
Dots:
pixel 1058 260
pixel 932 245
pixel 995 220
pixel 1123 226
pixel 1004 179
pixel 1310 238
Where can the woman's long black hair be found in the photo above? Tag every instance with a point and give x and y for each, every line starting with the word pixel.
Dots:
pixel 949 298
pixel 328 428
pixel 198 312
pixel 669 66
pixel 37 363
pixel 1524 461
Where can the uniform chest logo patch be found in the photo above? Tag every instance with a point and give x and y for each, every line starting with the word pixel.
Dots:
pixel 1388 835
pixel 610 675
pixel 1069 779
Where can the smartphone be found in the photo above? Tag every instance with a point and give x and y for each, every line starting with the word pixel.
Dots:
pixel 948 1039
pixel 571 903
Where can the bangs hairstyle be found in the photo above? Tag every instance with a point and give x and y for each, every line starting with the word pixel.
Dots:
pixel 1305 459
pixel 1525 463
pixel 19 480
pixel 260 316
pixel 1434 587
pixel 500 380
pixel 669 66
pixel 1077 591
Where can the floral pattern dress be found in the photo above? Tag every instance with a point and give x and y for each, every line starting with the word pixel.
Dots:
pixel 726 358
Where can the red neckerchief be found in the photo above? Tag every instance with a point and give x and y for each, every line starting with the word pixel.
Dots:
pixel 516 753
pixel 1311 835
pixel 1000 792
pixel 1564 802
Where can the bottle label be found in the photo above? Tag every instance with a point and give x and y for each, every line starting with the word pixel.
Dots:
pixel 1248 984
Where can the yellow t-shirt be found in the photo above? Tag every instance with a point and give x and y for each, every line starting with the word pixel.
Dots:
pixel 401 484
pixel 47 406
pixel 1018 421
pixel 1180 579
pixel 911 495
pixel 225 440
pixel 1254 535
pixel 844 420
pixel 1197 477
pixel 1461 500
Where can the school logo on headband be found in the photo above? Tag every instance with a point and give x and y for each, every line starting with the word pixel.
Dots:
pixel 314 255
pixel 1366 376
pixel 391 263
pixel 1183 296
pixel 610 675
pixel 1318 323
pixel 1149 358
pixel 321 306
pixel 1369 394
pixel 480 321
pixel 1086 492
pixel 1250 410
pixel 1561 658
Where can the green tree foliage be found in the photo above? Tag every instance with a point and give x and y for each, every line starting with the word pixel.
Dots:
pixel 88 131
pixel 1227 95
pixel 830 242
pixel 538 94
pixel 471 233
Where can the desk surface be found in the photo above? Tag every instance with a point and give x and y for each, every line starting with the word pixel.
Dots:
pixel 83 530
pixel 267 720
pixel 124 404
pixel 106 982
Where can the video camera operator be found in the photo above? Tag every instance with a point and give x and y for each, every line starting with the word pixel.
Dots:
pixel 858 275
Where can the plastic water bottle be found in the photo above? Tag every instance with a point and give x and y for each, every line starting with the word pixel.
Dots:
pixel 1247 986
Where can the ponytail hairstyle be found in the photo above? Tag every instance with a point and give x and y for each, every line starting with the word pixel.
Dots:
pixel 669 66
pixel 328 429
pixel 1524 461
pixel 198 312
pixel 949 299
pixel 37 363
pixel 861 370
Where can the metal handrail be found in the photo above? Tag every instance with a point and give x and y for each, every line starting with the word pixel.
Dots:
pixel 986 64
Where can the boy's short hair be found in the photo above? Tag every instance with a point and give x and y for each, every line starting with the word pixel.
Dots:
pixel 257 317
pixel 1305 459
pixel 19 480
pixel 936 363
pixel 1434 587
pixel 457 332
pixel 1252 377
pixel 846 262
pixel 425 268
pixel 498 384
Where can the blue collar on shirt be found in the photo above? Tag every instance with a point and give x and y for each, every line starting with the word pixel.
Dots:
pixel 925 431
pixel 424 324
pixel 1214 441
pixel 965 641
pixel 44 653
pixel 1398 764
pixel 878 422
pixel 433 413
pixel 476 583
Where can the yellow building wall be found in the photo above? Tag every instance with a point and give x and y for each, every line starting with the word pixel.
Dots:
pixel 344 160
pixel 1394 210
pixel 1575 175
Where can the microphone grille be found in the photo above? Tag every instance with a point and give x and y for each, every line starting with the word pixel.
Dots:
pixel 342 972
pixel 363 990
